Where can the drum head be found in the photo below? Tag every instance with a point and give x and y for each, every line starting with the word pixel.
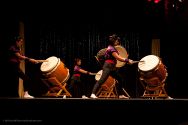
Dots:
pixel 150 62
pixel 101 53
pixel 100 56
pixel 98 75
pixel 50 64
pixel 122 53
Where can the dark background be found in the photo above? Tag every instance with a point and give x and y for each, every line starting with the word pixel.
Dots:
pixel 80 29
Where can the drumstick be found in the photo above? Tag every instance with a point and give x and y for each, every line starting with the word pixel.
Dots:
pixel 137 61
pixel 98 60
pixel 41 61
pixel 93 74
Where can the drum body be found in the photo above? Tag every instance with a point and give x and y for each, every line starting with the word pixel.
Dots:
pixel 122 52
pixel 55 68
pixel 108 83
pixel 152 67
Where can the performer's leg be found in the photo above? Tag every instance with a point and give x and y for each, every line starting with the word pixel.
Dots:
pixel 120 83
pixel 27 83
pixel 106 72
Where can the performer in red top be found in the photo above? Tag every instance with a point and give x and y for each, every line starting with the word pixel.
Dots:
pixel 111 57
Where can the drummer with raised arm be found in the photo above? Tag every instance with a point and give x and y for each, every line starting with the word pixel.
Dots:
pixel 109 66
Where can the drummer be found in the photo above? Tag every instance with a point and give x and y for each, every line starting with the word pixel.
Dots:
pixel 109 69
pixel 77 86
pixel 14 59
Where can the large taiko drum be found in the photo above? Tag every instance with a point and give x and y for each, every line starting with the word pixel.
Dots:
pixel 108 83
pixel 121 50
pixel 123 53
pixel 53 67
pixel 100 56
pixel 151 67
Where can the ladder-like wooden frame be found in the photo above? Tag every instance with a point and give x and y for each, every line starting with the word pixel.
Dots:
pixel 56 89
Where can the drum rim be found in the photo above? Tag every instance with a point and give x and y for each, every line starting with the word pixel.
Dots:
pixel 67 77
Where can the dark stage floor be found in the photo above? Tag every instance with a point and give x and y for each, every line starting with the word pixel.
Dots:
pixel 93 111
